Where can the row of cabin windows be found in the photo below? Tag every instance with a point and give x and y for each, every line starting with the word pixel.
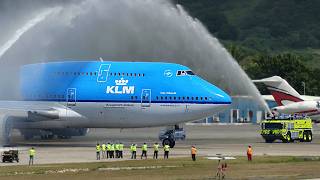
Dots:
pixel 95 74
pixel 55 96
pixel 174 98
pixel 127 74
pixel 182 98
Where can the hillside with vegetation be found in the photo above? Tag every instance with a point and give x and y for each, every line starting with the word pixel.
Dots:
pixel 267 37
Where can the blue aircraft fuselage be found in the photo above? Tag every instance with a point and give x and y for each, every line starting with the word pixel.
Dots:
pixel 122 94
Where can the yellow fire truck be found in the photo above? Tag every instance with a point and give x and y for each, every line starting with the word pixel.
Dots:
pixel 287 129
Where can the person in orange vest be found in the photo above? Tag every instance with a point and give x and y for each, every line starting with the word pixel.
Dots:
pixel 249 153
pixel 193 153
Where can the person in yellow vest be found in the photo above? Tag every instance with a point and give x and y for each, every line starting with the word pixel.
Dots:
pixel 144 149
pixel 98 149
pixel 120 150
pixel 108 150
pixel 104 149
pixel 166 149
pixel 133 149
pixel 112 151
pixel 116 148
pixel 249 153
pixel 155 150
pixel 32 153
pixel 193 153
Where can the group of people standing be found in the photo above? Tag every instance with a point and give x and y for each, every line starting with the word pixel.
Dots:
pixel 144 151
pixel 109 150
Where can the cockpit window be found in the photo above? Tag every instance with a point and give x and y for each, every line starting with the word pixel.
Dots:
pixel 185 73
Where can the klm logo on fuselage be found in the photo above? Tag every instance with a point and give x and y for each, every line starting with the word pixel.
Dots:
pixel 120 87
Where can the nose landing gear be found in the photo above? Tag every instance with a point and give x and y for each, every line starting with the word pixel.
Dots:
pixel 171 134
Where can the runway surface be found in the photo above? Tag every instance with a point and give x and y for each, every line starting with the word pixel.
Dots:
pixel 209 139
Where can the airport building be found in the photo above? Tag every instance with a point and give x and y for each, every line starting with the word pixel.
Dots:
pixel 244 109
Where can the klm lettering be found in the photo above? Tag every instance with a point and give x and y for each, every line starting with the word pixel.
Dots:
pixel 120 90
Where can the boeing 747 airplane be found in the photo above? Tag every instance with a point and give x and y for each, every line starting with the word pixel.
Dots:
pixel 66 98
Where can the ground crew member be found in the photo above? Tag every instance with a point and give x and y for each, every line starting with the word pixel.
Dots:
pixel 144 150
pixel 108 150
pixel 98 149
pixel 155 150
pixel 249 153
pixel 32 153
pixel 193 153
pixel 120 150
pixel 133 149
pixel 112 151
pixel 116 148
pixel 104 148
pixel 166 149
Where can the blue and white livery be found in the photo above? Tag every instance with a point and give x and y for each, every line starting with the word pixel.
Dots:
pixel 71 96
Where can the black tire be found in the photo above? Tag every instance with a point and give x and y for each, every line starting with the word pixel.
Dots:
pixel 169 141
pixel 165 141
pixel 172 144
pixel 309 136
pixel 269 140
pixel 288 138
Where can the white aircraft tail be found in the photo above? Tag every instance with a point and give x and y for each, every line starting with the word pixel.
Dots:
pixel 281 91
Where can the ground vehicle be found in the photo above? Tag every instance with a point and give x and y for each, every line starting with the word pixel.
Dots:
pixel 10 156
pixel 287 129
pixel 167 135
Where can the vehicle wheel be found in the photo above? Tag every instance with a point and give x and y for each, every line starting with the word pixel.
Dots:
pixel 304 137
pixel 166 141
pixel 309 136
pixel 269 140
pixel 287 138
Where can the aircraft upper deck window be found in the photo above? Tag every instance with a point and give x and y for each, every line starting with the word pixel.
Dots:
pixel 185 73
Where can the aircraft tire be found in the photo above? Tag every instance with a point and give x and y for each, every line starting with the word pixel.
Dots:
pixel 172 143
pixel 166 141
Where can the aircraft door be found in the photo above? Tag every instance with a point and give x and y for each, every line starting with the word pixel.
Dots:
pixel 146 98
pixel 71 96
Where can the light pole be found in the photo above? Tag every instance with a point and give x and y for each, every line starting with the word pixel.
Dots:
pixel 304 87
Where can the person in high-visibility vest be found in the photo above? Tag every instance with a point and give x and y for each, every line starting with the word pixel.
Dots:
pixel 116 148
pixel 133 149
pixel 112 151
pixel 98 149
pixel 249 153
pixel 193 153
pixel 104 148
pixel 32 153
pixel 108 150
pixel 166 149
pixel 144 149
pixel 121 150
pixel 155 150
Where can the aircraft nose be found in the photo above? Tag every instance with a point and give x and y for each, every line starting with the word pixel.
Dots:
pixel 220 97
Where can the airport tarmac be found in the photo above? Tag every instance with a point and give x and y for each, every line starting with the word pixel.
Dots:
pixel 210 140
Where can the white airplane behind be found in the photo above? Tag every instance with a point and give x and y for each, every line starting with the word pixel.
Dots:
pixel 289 101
